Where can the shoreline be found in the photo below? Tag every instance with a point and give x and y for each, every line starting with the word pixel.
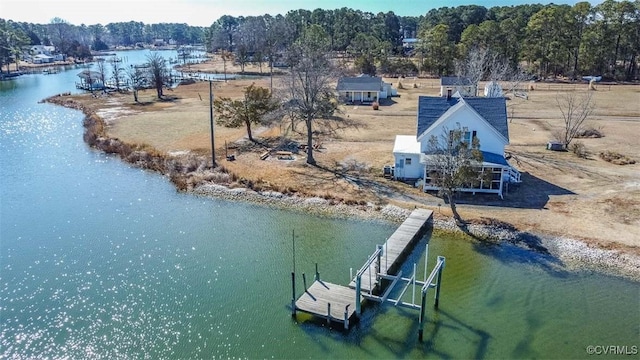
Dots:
pixel 559 253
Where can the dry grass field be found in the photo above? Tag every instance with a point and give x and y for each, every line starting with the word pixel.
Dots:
pixel 561 194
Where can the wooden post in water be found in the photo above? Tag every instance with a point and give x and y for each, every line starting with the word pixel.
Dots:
pixel 293 294
pixel 358 281
pixel 421 321
pixel 317 273
pixel 346 317
pixel 304 281
pixel 328 313
pixel 440 258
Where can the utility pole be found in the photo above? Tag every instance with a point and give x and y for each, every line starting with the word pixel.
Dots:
pixel 213 149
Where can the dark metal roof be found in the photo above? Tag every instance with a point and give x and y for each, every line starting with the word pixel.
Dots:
pixel 455 81
pixel 359 83
pixel 493 110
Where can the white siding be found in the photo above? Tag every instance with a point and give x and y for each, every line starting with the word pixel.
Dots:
pixel 414 170
pixel 490 140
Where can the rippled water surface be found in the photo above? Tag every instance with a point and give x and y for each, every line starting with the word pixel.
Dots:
pixel 99 260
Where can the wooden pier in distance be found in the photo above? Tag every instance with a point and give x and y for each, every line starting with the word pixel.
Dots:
pixel 339 303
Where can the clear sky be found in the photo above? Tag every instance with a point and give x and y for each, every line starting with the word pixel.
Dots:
pixel 205 12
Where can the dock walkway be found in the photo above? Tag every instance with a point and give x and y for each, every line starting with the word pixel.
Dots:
pixel 316 299
pixel 396 248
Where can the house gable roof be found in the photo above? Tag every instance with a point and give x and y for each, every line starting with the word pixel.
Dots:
pixel 359 83
pixel 455 81
pixel 492 110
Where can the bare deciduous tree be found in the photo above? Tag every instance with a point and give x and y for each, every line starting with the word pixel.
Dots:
pixel 137 79
pixel 575 110
pixel 158 72
pixel 453 164
pixel 309 91
pixel 226 56
pixel 102 70
pixel 116 73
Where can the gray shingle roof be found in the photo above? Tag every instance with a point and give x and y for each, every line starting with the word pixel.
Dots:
pixel 493 110
pixel 360 83
pixel 455 81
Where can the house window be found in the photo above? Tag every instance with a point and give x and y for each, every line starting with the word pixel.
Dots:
pixel 407 161
pixel 466 138
pixel 369 94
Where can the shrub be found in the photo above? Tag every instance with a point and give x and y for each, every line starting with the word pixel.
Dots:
pixel 579 149
pixel 590 133
pixel 375 105
pixel 616 158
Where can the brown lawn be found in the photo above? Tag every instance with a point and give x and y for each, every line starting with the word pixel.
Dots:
pixel 561 194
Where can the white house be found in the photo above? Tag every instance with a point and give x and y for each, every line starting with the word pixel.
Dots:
pixel 42 59
pixel 480 117
pixel 462 85
pixel 42 50
pixel 363 88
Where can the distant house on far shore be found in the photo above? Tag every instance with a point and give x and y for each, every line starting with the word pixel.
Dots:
pixel 42 59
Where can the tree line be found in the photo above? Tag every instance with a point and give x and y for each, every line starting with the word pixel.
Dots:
pixel 549 39
pixel 78 41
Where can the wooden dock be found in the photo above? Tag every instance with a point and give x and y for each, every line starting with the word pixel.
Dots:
pixel 338 303
pixel 396 248
pixel 328 301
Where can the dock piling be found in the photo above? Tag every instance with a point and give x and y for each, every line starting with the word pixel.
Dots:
pixel 328 313
pixel 317 273
pixel 440 259
pixel 304 281
pixel 293 294
pixel 421 321
pixel 346 317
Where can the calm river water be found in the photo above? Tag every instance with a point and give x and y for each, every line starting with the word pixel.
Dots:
pixel 99 260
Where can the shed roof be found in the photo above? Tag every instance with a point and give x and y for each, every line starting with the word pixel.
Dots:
pixel 359 83
pixel 493 110
pixel 406 144
pixel 455 81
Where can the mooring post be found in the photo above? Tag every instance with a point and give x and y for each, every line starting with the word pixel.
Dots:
pixel 346 317
pixel 328 313
pixel 421 323
pixel 358 284
pixel 293 294
pixel 304 281
pixel 350 273
pixel 317 273
pixel 440 258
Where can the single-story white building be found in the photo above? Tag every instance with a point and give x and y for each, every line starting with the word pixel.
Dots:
pixel 479 117
pixel 363 88
pixel 42 59
pixel 462 85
